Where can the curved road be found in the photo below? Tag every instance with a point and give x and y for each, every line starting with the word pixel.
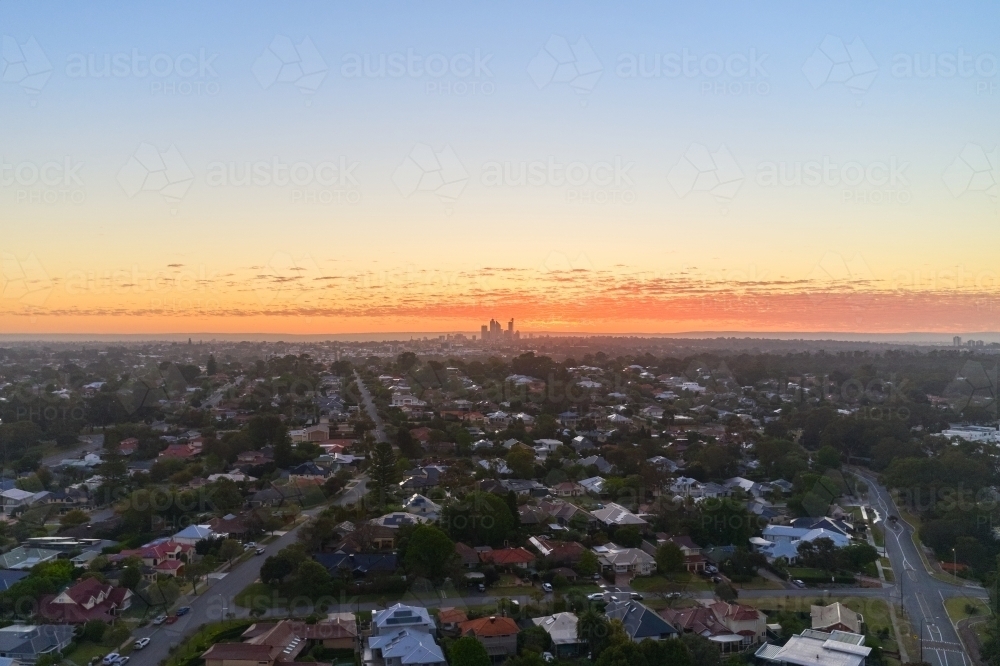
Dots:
pixel 922 594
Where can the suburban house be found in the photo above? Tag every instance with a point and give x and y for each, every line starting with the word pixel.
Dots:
pixel 497 634
pixel 467 554
pixel 619 560
pixel 403 635
pixel 640 621
pixel 519 558
pixel 14 499
pixel 563 552
pixel 400 616
pixel 450 617
pixel 26 643
pixel 403 647
pixel 836 617
pixel 783 540
pixel 568 489
pixel 422 506
pixel 694 561
pixel 192 534
pixel 742 620
pixel 561 628
pixel 90 599
pixel 615 515
pixel 267 643
pixel 22 558
pixel 817 648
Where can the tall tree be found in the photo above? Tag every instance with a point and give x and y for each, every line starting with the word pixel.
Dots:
pixel 382 470
pixel 467 651
pixel 429 552
pixel 211 367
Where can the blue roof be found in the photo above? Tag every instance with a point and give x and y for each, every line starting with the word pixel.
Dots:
pixel 8 578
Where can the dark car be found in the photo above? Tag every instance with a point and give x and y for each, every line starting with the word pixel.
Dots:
pixel 183 610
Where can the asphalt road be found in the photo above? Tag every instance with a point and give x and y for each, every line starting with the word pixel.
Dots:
pixel 366 397
pixel 922 595
pixel 211 605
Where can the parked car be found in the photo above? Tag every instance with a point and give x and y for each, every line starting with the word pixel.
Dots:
pixel 159 619
pixel 546 587
pixel 251 544
pixel 798 583
pixel 183 610
pixel 141 643
pixel 596 596
pixel 260 551
pixel 172 618
pixel 547 657
pixel 122 661
pixel 596 576
pixel 110 658
pixel 636 596
pixel 673 595
pixel 716 579
pixel 481 587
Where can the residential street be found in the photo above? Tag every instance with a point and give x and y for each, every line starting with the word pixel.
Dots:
pixel 369 404
pixel 923 595
pixel 209 606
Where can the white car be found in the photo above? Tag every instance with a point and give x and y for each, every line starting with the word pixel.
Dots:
pixel 111 659
pixel 141 643
pixel 798 583
pixel 159 619
pixel 596 596
pixel 546 587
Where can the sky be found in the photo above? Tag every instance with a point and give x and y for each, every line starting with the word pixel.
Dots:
pixel 660 167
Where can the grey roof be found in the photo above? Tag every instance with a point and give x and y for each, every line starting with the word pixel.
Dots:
pixel 639 620
pixel 26 642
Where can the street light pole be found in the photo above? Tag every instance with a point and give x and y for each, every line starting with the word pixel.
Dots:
pixel 921 641
pixel 954 563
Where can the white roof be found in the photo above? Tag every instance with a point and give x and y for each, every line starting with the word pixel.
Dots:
pixel 561 627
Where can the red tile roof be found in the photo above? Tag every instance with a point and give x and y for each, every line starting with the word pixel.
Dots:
pixel 507 556
pixel 489 626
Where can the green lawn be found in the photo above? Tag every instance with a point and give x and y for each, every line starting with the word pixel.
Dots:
pixel 258 594
pixel 957 608
pixel 759 583
pixel 670 583
pixel 85 651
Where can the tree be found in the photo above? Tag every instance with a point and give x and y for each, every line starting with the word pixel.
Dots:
pixel 593 628
pixel 73 518
pixel 628 536
pixel 312 578
pixel 229 549
pixel 521 461
pixel 131 576
pixel 468 651
pixel 211 367
pixel 703 652
pixel 480 518
pixel 429 552
pixel 382 470
pixel 275 568
pixel 225 496
pixel 669 558
pixel 589 564
pixel 828 457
